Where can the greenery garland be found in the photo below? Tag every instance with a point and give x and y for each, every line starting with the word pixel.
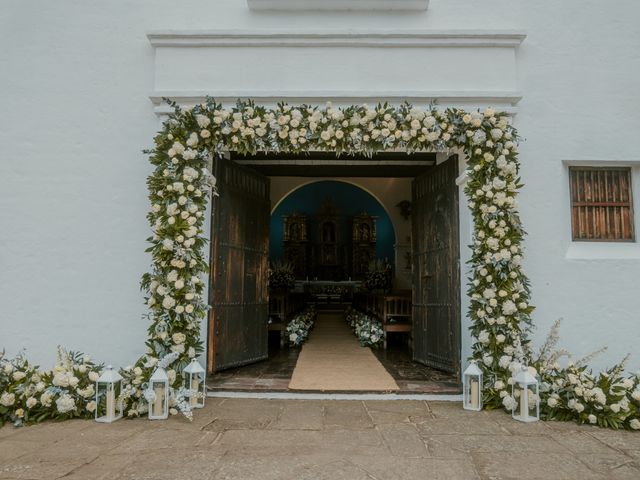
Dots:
pixel 500 310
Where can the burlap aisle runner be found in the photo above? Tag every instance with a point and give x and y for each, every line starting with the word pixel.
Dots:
pixel 332 359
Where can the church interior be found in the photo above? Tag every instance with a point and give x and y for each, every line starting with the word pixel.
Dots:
pixel 341 249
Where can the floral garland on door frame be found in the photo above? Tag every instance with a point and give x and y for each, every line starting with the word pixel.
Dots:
pixel 500 310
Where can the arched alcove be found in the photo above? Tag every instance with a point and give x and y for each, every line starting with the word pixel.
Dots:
pixel 348 200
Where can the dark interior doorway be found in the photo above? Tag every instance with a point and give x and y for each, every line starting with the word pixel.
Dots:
pixel 238 320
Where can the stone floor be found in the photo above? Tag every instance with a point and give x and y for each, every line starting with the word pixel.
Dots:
pixel 305 439
pixel 274 374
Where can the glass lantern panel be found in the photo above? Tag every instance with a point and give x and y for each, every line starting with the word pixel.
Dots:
pixel 158 405
pixel 107 395
pixel 532 403
pixel 195 386
pixel 473 392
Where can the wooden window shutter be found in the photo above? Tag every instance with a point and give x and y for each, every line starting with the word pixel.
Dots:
pixel 601 204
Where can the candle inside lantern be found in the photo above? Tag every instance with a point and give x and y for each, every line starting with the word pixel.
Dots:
pixel 111 402
pixel 474 394
pixel 194 387
pixel 157 404
pixel 524 411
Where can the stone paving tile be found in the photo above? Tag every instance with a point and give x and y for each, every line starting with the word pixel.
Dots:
pixel 402 468
pixel 621 440
pixel 302 442
pixel 234 414
pixel 382 411
pixel 177 464
pixel 403 440
pixel 472 425
pixel 532 466
pixel 346 414
pixel 461 446
pixel 612 465
pixel 300 415
pixel 581 441
pixel 156 439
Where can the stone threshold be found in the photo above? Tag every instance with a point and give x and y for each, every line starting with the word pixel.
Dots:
pixel 334 396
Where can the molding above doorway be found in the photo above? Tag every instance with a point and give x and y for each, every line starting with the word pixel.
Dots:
pixel 336 38
pixel 505 100
pixel 338 5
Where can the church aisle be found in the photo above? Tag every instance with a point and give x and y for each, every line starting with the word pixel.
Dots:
pixel 333 360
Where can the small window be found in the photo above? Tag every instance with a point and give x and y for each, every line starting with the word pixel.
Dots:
pixel 601 204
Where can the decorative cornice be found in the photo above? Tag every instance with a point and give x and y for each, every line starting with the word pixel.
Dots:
pixel 346 38
pixel 505 101
pixel 338 5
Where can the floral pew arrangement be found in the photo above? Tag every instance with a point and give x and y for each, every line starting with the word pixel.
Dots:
pixel 366 327
pixel 300 326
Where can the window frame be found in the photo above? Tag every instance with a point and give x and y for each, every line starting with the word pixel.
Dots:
pixel 630 204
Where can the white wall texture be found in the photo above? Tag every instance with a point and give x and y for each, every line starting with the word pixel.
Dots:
pixel 75 85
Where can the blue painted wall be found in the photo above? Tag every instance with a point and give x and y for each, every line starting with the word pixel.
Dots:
pixel 349 199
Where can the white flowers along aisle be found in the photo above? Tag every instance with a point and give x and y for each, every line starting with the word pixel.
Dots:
pixel 499 290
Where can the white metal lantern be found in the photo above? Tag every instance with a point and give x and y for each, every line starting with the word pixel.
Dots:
pixel 526 393
pixel 108 404
pixel 472 387
pixel 158 395
pixel 194 376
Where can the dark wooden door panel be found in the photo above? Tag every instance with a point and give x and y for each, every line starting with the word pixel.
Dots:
pixel 436 267
pixel 239 265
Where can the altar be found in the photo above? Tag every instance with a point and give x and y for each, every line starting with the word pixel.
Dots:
pixel 329 291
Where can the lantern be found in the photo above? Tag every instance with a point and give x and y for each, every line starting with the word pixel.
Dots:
pixel 525 392
pixel 158 396
pixel 194 381
pixel 108 387
pixel 472 387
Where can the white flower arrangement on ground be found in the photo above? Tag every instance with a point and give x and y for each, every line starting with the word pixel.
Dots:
pixel 300 326
pixel 367 328
pixel 29 395
pixel 179 187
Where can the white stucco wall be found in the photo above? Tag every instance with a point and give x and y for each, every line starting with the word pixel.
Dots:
pixel 76 115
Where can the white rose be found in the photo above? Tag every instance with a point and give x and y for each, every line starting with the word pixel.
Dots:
pixel 73 381
pixel 7 399
pixel 31 402
pixel 205 133
pixel 635 424
pixel 615 407
pixel 93 376
pixel 188 308
pixel 203 121
pixel 17 376
pixel 65 403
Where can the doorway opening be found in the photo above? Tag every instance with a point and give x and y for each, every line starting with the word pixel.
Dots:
pixel 330 222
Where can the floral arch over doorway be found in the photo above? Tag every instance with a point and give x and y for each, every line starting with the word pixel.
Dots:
pixel 500 309
pixel 179 186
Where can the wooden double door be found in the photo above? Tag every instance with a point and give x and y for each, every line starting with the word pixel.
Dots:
pixel 238 291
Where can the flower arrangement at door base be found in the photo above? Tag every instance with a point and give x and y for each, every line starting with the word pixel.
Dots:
pixel 367 328
pixel 300 326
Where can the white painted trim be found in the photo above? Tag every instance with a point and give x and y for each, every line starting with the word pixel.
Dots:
pixel 503 100
pixel 336 396
pixel 336 38
pixel 338 5
pixel 603 251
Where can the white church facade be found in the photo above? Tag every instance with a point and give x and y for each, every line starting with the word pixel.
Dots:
pixel 84 92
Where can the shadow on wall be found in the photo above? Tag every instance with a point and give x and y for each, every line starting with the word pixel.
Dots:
pixel 349 199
